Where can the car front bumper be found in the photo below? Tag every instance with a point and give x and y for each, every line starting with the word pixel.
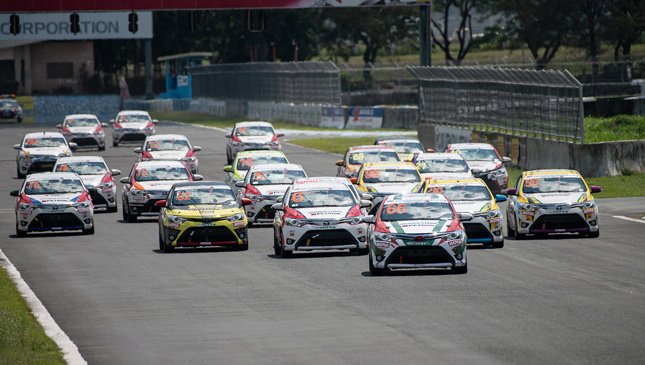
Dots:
pixel 386 255
pixel 312 237
pixel 207 233
pixel 55 218
pixel 563 220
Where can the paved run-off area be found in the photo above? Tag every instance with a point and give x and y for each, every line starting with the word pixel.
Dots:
pixel 563 300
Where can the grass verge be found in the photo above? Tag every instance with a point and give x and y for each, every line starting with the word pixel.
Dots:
pixel 626 185
pixel 22 340
pixel 618 128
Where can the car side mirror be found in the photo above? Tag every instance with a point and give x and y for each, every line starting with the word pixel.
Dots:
pixel 596 189
pixel 198 177
pixel 240 184
pixel 366 203
pixel 138 150
pixel 104 125
pixel 73 146
pixel 111 121
pixel 465 217
pixel 15 193
pixel 125 180
pixel 369 219
pixel 506 160
pixel 59 126
pixel 197 148
pixel 161 203
pixel 16 147
pixel 499 198
pixel 430 150
pixel 366 196
pixel 155 121
pixel 247 201
pixel 511 192
pixel 339 163
pixel 228 169
pixel 280 135
pixel 354 180
pixel 280 199
pixel 228 135
pixel 115 172
pixel 277 206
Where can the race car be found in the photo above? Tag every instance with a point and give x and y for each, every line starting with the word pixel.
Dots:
pixel 443 166
pixel 386 178
pixel 319 216
pixel 263 185
pixel 132 126
pixel 416 231
pixel 406 147
pixel 39 151
pixel 356 156
pixel 552 201
pixel 96 176
pixel 248 136
pixel 245 159
pixel 485 163
pixel 84 130
pixel 473 196
pixel 149 182
pixel 169 147
pixel 202 214
pixel 10 109
pixel 52 202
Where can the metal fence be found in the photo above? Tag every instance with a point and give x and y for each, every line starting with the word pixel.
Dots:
pixel 293 82
pixel 540 104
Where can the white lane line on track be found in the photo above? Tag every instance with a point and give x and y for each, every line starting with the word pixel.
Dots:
pixel 70 352
pixel 629 219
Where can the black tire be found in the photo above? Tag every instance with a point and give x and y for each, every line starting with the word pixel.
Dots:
pixel 460 270
pixel 374 271
pixel 510 232
pixel 19 120
pixel 277 250
pixel 594 234
pixel 168 248
pixel 20 176
pixel 127 216
pixel 89 231
pixel 102 148
pixel 20 233
pixel 243 247
pixel 498 244
pixel 517 235
pixel 113 209
pixel 162 244
pixel 115 144
pixel 286 254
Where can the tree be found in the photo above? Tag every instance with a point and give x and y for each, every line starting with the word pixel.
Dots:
pixel 586 17
pixel 624 25
pixel 442 34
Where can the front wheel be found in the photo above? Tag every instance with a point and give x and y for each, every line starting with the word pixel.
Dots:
pixel 162 242
pixel 499 244
pixel 115 143
pixel 19 120
pixel 89 231
pixel 102 148
pixel 243 247
pixel 594 234
pixel 374 271
pixel 19 174
pixel 20 233
pixel 517 235
pixel 461 270
pixel 113 209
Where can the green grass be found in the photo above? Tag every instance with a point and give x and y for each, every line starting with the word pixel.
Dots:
pixel 334 145
pixel 26 101
pixel 621 127
pixel 22 340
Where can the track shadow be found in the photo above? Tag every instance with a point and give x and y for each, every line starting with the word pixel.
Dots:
pixel 412 272
pixel 312 255
pixel 198 250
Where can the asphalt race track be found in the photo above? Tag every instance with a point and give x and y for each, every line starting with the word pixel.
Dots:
pixel 563 300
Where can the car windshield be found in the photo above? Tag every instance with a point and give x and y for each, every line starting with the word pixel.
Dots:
pixel 83 168
pixel 254 131
pixel 168 145
pixel 81 122
pixel 160 173
pixel 442 165
pixel 554 184
pixel 322 198
pixel 8 104
pixel 44 142
pixel 375 176
pixel 406 146
pixel 274 177
pixel 416 211
pixel 358 158
pixel 461 192
pixel 134 118
pixel 53 186
pixel 480 154
pixel 245 163
pixel 207 195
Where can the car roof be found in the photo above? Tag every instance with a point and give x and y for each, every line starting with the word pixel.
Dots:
pixel 78 116
pixel 470 146
pixel 456 182
pixel 158 137
pixel 415 198
pixel 551 172
pixel 253 123
pixel 374 147
pixel 324 179
pixel 80 159
pixel 219 184
pixel 305 185
pixel 259 153
pixel 398 165
pixel 273 166
pixel 161 163
pixel 44 134
pixel 396 138
pixel 133 112
pixel 440 155
pixel 49 174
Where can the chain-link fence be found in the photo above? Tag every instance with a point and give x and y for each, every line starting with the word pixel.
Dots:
pixel 540 104
pixel 293 82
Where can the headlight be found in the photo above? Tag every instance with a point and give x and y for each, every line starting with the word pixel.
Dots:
pixel 24 206
pixel 383 236
pixel 236 217
pixel 527 206
pixel 175 219
pixel 356 220
pixel 255 198
pixel 459 234
pixel 590 204
pixel 295 222
pixel 188 159
pixel 82 205
pixel 493 214
pixel 137 192
pixel 105 185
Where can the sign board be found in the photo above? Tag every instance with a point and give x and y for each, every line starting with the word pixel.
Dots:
pixel 447 135
pixel 182 80
pixel 56 26
pixel 9 6
pixel 365 117
pixel 332 117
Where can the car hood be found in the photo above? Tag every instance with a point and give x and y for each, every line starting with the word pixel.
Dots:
pixel 407 157
pixel 324 212
pixel 272 189
pixel 476 166
pixel 557 198
pixel 134 125
pixel 89 130
pixel 256 139
pixel 91 180
pixel 393 188
pixel 471 206
pixel 168 155
pixel 240 174
pixel 54 151
pixel 447 175
pixel 63 199
pixel 207 211
pixel 159 184
pixel 419 226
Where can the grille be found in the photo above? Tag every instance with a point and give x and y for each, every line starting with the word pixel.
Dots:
pixel 41 166
pixel 208 234
pixel 133 136
pixel 419 255
pixel 150 206
pixel 97 199
pixel 477 230
pixel 559 221
pixel 47 221
pixel 85 141
pixel 333 237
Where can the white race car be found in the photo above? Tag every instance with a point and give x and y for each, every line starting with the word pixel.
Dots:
pixel 249 136
pixel 84 130
pixel 485 163
pixel 319 216
pixel 149 182
pixel 169 147
pixel 53 201
pixel 387 178
pixel 96 176
pixel 132 126
pixel 443 166
pixel 264 184
pixel 39 151
pixel 416 231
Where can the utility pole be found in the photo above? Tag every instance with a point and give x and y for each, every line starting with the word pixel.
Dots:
pixel 425 35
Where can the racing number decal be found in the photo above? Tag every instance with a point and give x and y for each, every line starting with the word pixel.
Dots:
pixel 435 190
pixel 259 176
pixel 358 156
pixel 391 209
pixel 372 174
pixel 153 145
pixel 143 173
pixel 63 168
pixel 246 162
pixel 298 197
pixel 531 183
pixel 30 141
pixel 183 196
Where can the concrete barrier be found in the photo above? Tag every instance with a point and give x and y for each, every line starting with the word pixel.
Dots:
pixel 404 117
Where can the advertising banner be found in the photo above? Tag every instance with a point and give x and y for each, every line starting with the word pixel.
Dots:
pixel 365 117
pixel 332 117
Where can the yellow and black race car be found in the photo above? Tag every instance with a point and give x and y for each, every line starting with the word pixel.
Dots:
pixel 202 214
